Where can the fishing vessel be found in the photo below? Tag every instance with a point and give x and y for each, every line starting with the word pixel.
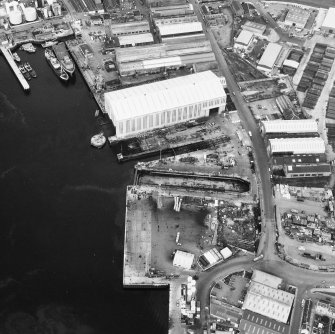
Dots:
pixel 55 65
pixel 24 72
pixel 16 57
pixel 28 47
pixel 98 140
pixel 30 70
pixel 64 57
pixel 48 44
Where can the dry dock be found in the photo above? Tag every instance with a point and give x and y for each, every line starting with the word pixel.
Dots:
pixel 15 68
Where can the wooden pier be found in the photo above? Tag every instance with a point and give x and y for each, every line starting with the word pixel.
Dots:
pixel 8 55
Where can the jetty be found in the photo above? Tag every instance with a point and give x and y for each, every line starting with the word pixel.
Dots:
pixel 11 62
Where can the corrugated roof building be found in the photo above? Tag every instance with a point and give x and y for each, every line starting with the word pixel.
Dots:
pixel 243 40
pixel 130 28
pixel 179 29
pixel 163 103
pixel 328 23
pixel 266 279
pixel 272 303
pixel 289 126
pixel 254 27
pixel 293 171
pixel 135 40
pixel 269 57
pixel 296 146
pixel 297 17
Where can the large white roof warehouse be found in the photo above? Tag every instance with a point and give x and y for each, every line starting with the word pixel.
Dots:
pixel 329 21
pixel 290 126
pixel 179 28
pixel 142 108
pixel 269 57
pixel 312 145
pixel 272 303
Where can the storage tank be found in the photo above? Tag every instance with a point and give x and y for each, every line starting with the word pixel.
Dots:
pixel 15 17
pixel 30 14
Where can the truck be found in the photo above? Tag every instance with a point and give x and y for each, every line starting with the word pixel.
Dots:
pixel 257 258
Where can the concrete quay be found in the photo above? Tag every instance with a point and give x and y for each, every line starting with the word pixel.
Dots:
pixel 12 64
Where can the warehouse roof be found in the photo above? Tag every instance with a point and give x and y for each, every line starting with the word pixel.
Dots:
pixel 329 21
pixel 291 63
pixel 272 303
pixel 300 159
pixel 270 55
pixel 244 37
pixel 254 25
pixel 124 28
pixel 297 145
pixel 183 259
pixel 266 279
pixel 298 16
pixel 179 28
pixel 322 168
pixel 290 126
pixel 163 95
pixel 135 39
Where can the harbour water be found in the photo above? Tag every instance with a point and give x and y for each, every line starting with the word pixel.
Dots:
pixel 62 216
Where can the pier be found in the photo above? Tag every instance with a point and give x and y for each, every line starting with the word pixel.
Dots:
pixel 15 68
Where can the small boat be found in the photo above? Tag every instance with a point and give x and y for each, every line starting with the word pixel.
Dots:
pixel 97 112
pixel 47 44
pixel 30 70
pixel 55 65
pixel 24 72
pixel 16 57
pixel 28 47
pixel 98 140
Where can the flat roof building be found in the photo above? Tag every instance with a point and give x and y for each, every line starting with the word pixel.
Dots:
pixel 135 40
pixel 272 303
pixel 163 103
pixel 289 126
pixel 292 171
pixel 269 57
pixel 243 40
pixel 183 260
pixel 163 11
pixel 266 279
pixel 328 23
pixel 254 27
pixel 291 146
pixel 179 29
pixel 297 17
pixel 130 28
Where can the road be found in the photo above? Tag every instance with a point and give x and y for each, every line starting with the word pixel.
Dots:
pixel 314 3
pixel 301 278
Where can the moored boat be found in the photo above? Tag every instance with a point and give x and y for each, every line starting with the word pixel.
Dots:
pixel 55 65
pixel 29 47
pixel 48 44
pixel 64 57
pixel 24 72
pixel 16 57
pixel 30 70
pixel 98 140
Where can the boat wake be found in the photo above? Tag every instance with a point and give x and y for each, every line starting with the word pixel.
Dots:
pixel 8 112
pixel 87 187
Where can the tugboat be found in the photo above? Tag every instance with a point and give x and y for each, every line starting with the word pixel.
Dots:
pixel 24 72
pixel 64 57
pixel 16 57
pixel 55 65
pixel 30 70
pixel 98 140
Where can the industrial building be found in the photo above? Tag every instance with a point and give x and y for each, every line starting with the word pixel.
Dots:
pixel 285 128
pixel 175 10
pixel 297 17
pixel 130 28
pixel 270 302
pixel 286 107
pixel 175 30
pixel 135 40
pixel 160 57
pixel 269 57
pixel 292 171
pixel 254 27
pixel 158 3
pixel 243 40
pixel 183 260
pixel 175 19
pixel 289 146
pixel 328 24
pixel 141 108
pixel 266 279
pixel 304 159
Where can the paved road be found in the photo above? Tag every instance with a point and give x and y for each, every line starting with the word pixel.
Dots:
pixel 315 3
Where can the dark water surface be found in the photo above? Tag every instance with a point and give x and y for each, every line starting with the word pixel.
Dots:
pixel 62 216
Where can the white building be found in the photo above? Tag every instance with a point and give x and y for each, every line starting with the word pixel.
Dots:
pixel 269 57
pixel 272 303
pixel 243 40
pixel 164 103
pixel 297 17
pixel 312 145
pixel 183 260
pixel 266 279
pixel 289 126
pixel 179 29
pixel 256 28
pixel 135 40
pixel 328 24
